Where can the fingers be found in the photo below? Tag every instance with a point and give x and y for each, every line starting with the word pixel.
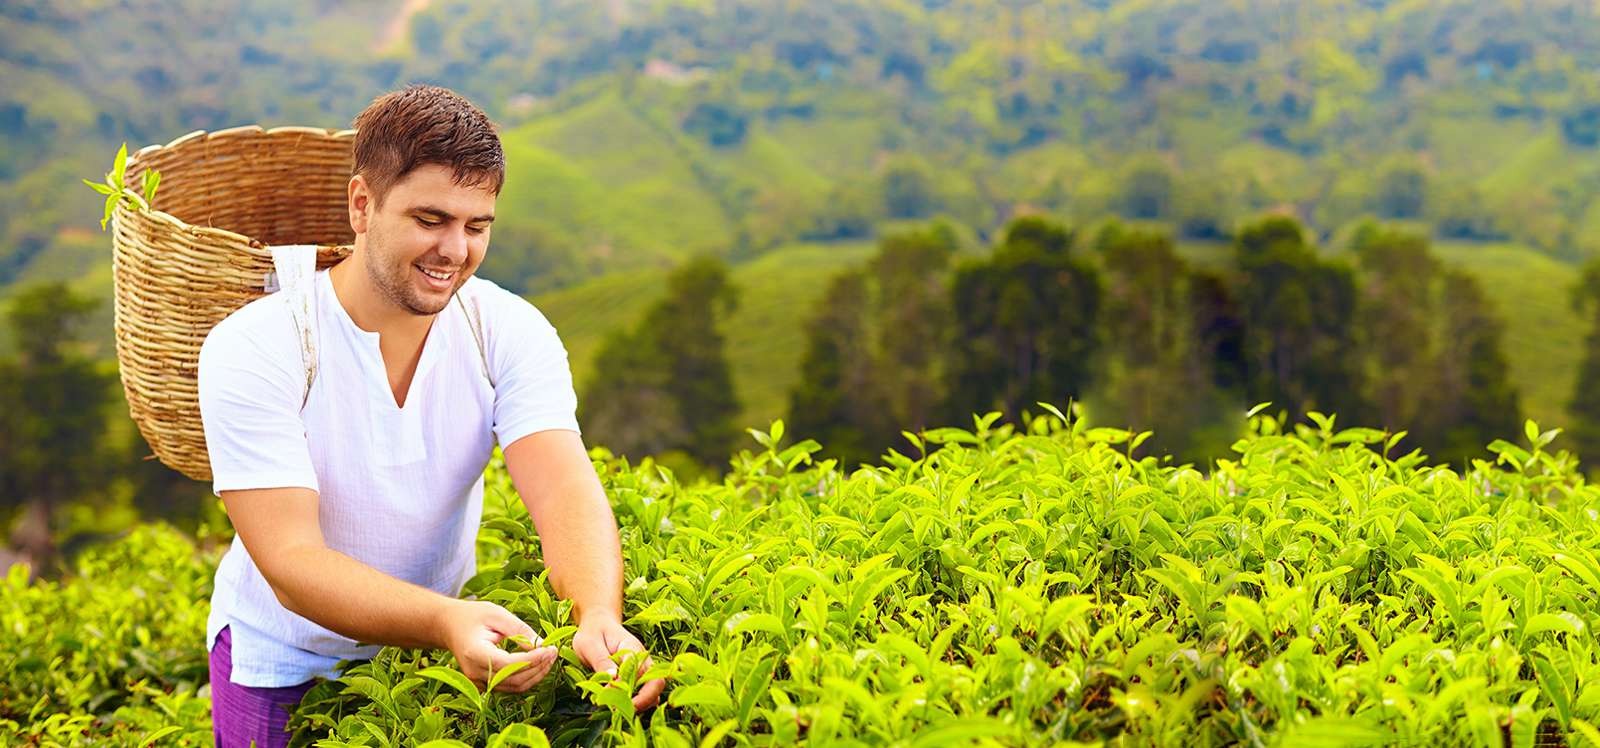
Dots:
pixel 594 653
pixel 650 692
pixel 541 661
pixel 527 639
pixel 482 663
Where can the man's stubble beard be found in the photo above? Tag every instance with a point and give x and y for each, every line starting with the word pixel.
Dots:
pixel 394 281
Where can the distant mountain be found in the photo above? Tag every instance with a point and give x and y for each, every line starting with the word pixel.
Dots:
pixel 641 132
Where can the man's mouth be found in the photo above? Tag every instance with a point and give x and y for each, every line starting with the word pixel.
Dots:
pixel 437 278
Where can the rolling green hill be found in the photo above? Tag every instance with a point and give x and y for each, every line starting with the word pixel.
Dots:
pixel 644 131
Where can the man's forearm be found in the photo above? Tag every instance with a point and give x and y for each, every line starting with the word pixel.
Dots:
pixel 351 598
pixel 581 549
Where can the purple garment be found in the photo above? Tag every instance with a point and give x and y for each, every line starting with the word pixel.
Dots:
pixel 241 714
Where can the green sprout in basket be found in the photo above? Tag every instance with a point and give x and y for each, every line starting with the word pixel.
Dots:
pixel 114 189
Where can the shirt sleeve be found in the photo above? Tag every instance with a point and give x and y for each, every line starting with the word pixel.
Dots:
pixel 251 391
pixel 533 382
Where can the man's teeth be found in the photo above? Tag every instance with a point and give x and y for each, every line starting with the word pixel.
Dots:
pixel 440 276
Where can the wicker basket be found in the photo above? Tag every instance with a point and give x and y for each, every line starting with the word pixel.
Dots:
pixel 201 252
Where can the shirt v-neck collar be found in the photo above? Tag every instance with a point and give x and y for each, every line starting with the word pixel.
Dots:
pixel 370 355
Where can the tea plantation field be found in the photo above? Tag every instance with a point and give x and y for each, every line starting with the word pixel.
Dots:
pixel 1002 586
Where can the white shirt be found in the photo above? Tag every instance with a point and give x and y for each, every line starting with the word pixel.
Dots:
pixel 400 489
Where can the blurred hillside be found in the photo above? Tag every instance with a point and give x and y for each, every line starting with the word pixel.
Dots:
pixel 641 133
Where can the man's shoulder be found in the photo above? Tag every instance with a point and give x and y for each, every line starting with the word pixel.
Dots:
pixel 263 325
pixel 502 308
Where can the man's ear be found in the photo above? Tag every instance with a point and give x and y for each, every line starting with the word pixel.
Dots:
pixel 361 204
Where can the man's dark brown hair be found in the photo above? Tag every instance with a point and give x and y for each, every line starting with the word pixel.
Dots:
pixel 419 125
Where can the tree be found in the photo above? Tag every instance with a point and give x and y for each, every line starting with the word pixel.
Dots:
pixel 1026 324
pixel 1397 312
pixel 53 400
pixel 1584 406
pixel 1160 347
pixel 908 189
pixel 837 400
pixel 911 310
pixel 666 384
pixel 1435 366
pixel 1299 312
pixel 1147 190
pixel 1478 404
pixel 1402 191
pixel 875 349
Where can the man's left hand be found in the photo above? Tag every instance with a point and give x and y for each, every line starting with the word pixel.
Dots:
pixel 595 642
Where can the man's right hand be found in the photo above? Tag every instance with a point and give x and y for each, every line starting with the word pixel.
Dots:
pixel 473 631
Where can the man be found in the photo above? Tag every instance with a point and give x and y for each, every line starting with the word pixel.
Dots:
pixel 356 502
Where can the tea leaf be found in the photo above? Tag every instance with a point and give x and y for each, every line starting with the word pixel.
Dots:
pixel 506 672
pixel 456 680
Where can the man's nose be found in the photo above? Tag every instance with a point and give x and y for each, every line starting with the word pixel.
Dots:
pixel 453 246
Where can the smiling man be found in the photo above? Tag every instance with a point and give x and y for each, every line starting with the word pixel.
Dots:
pixel 356 502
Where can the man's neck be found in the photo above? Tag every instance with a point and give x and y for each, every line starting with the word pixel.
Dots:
pixel 370 310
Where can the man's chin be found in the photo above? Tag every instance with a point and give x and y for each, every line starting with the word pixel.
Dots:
pixel 424 306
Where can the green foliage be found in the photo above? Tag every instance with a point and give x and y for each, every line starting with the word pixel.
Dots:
pixel 767 346
pixel 911 317
pixel 1028 319
pixel 1400 306
pixel 736 120
pixel 1585 403
pixel 909 190
pixel 1014 585
pixel 115 191
pixel 113 654
pixel 874 361
pixel 836 399
pixel 666 385
pixel 53 406
pixel 1402 191
pixel 1148 191
pixel 1542 328
pixel 1161 323
pixel 1436 360
pixel 1300 311
pixel 765 341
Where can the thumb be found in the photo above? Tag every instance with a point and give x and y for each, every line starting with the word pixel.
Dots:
pixel 593 651
pixel 506 624
pixel 526 638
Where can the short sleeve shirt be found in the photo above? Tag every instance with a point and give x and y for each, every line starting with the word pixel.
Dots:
pixel 400 488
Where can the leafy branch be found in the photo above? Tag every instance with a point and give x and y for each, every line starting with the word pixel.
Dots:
pixel 114 189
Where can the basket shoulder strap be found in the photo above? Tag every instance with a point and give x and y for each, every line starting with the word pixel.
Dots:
pixel 295 268
pixel 475 323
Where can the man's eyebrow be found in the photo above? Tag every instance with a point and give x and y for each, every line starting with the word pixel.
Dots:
pixel 446 215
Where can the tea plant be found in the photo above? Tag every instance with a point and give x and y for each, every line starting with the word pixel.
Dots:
pixel 1034 586
pixel 1003 585
pixel 114 654
pixel 115 191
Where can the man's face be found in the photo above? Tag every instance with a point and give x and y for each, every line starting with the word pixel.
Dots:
pixel 427 223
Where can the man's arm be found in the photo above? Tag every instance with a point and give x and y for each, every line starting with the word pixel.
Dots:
pixel 578 535
pixel 280 530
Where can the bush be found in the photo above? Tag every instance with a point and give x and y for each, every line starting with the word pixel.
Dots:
pixel 118 650
pixel 1036 585
pixel 1004 585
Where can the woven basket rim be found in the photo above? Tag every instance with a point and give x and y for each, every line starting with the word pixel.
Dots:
pixel 179 224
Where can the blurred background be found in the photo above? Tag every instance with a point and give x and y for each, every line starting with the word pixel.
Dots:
pixel 868 217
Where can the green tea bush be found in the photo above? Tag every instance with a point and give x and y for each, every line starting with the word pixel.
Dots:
pixel 1038 586
pixel 115 653
pixel 1005 586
